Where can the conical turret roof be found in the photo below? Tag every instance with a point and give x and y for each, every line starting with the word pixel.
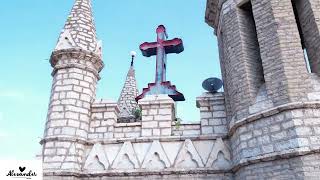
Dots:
pixel 79 30
pixel 127 103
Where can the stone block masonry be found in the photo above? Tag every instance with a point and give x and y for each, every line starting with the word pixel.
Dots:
pixel 72 95
pixel 281 50
pixel 68 121
pixel 272 125
pixel 212 113
pixel 103 119
pixel 157 115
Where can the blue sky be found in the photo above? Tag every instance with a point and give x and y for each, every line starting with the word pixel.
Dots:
pixel 29 31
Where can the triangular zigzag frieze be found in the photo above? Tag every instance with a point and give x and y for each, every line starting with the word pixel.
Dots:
pixel 156 157
pixel 188 157
pixel 126 158
pixel 219 146
pixel 97 159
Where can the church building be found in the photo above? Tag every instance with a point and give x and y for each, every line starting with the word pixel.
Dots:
pixel 264 125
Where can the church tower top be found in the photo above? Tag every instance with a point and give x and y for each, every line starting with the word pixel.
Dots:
pixel 79 31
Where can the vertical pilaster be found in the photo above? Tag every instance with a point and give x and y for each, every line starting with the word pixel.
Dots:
pixel 281 51
pixel 241 63
pixel 158 112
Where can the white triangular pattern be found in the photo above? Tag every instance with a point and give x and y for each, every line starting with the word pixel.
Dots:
pixel 128 150
pixel 71 156
pixel 219 146
pixel 65 41
pixel 156 148
pixel 97 151
pixel 185 148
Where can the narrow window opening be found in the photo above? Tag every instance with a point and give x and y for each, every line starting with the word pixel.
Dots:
pixel 251 46
pixel 302 37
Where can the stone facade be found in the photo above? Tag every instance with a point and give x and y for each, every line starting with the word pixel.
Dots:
pixel 157 147
pixel 265 125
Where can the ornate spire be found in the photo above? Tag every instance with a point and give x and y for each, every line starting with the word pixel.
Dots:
pixel 127 103
pixel 79 30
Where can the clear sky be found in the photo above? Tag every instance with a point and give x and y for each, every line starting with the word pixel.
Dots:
pixel 29 32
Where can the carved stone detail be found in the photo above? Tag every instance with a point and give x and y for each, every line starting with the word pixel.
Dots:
pixel 188 157
pixel 156 158
pixel 126 158
pixel 219 146
pixel 97 159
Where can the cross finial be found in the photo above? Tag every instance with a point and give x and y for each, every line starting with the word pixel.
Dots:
pixel 133 55
pixel 161 48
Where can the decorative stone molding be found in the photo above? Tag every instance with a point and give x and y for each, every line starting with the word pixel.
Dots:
pixel 188 150
pixel 156 158
pixel 76 57
pixel 126 158
pixel 97 159
pixel 155 155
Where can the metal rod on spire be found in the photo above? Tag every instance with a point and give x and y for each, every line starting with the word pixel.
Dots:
pixel 133 55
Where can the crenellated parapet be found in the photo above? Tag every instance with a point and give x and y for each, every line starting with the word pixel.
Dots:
pixel 156 146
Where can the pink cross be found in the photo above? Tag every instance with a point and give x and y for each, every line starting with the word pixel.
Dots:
pixel 161 48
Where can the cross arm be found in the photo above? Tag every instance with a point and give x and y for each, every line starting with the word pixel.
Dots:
pixel 148 49
pixel 173 46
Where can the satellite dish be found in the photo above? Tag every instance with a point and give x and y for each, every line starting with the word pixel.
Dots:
pixel 212 84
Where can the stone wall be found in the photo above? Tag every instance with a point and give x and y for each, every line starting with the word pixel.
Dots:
pixel 186 129
pixel 155 157
pixel 118 149
pixel 159 176
pixel 289 131
pixel 272 124
pixel 156 115
pixel 103 118
pixel 127 130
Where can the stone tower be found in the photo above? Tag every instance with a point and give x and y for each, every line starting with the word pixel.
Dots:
pixel 127 103
pixel 76 62
pixel 272 101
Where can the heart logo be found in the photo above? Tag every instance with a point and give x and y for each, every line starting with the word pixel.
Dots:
pixel 22 169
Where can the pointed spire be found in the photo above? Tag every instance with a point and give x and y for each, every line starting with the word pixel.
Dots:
pixel 127 103
pixel 79 30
